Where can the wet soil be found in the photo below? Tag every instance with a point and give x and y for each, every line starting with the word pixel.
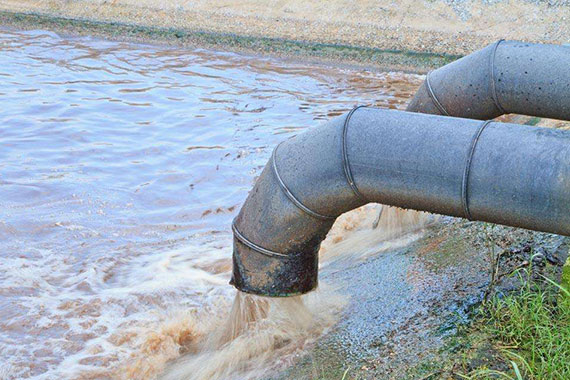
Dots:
pixel 406 305
pixel 311 52
pixel 437 26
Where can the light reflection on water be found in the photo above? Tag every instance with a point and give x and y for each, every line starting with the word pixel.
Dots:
pixel 121 168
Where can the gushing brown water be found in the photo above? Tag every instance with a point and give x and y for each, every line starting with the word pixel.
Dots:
pixel 122 168
pixel 258 335
pixel 254 336
pixel 261 329
pixel 246 311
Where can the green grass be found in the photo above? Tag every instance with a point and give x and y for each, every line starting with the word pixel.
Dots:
pixel 531 328
pixel 521 336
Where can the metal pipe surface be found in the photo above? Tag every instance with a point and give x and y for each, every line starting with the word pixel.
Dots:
pixel 509 174
pixel 505 77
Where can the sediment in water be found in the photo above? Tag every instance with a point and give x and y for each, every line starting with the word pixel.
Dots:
pixel 256 335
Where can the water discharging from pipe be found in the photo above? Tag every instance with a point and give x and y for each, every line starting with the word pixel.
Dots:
pixel 259 334
pixel 115 256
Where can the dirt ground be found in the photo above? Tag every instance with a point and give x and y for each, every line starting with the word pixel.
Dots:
pixel 428 26
pixel 407 305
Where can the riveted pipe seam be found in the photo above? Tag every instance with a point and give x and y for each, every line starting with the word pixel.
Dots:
pixel 433 97
pixel 290 195
pixel 465 181
pixel 345 162
pixel 238 235
pixel 493 83
pixel 530 69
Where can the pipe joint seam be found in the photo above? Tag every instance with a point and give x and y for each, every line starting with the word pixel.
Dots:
pixel 290 195
pixel 431 93
pixel 345 162
pixel 245 241
pixel 469 159
pixel 493 82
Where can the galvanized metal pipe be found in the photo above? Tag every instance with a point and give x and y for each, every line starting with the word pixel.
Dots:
pixel 505 77
pixel 502 173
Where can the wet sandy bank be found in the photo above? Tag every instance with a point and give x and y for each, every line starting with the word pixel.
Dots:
pixel 405 35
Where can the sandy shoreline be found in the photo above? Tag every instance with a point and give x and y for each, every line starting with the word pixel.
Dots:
pixel 403 34
pixel 287 50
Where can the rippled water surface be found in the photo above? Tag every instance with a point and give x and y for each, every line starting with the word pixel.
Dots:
pixel 121 168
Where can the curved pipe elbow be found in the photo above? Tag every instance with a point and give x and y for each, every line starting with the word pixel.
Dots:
pixel 294 203
pixel 505 77
pixel 501 173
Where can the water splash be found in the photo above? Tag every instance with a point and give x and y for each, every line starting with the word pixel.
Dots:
pixel 103 239
pixel 370 230
pixel 258 335
pixel 255 336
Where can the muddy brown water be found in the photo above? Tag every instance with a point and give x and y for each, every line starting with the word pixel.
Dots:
pixel 121 168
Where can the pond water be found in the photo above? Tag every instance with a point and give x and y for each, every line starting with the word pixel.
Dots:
pixel 121 168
